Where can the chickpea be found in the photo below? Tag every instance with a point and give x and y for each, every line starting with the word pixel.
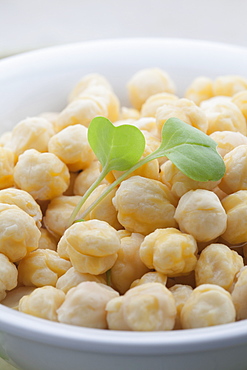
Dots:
pixel 92 246
pixel 150 277
pixel 240 99
pixel 23 200
pixel 201 88
pixel 107 97
pixel 223 115
pixel 184 109
pixel 7 160
pixel 104 211
pixel 155 101
pixel 58 213
pixel 19 234
pixel 128 266
pixel 146 83
pixel 235 177
pixel 42 267
pixel 8 276
pixel 181 293
pixel 72 278
pixel 179 182
pixel 91 79
pixel 72 147
pixel 43 175
pixel 227 141
pixel 47 240
pixel 144 205
pixel 235 206
pixel 42 302
pixel 207 305
pixel 85 305
pixel 169 251
pixel 218 265
pixel 31 133
pixel 129 113
pixel 229 85
pixel 147 307
pixel 81 111
pixel 13 297
pixel 86 178
pixel 200 213
pixel 239 294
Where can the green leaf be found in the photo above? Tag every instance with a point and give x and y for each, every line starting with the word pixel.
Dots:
pixel 192 151
pixel 117 148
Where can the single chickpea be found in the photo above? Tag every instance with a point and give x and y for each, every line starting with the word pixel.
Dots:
pixel 184 109
pixel 86 178
pixel 235 177
pixel 129 113
pixel 240 99
pixel 235 206
pixel 81 111
pixel 91 79
pixel 223 115
pixel 23 200
pixel 207 305
pixel 13 297
pixel 229 85
pixel 58 213
pixel 43 175
pixel 72 278
pixel 239 294
pixel 180 293
pixel 200 213
pixel 169 251
pixel 201 88
pixel 7 161
pixel 47 240
pixel 104 211
pixel 227 141
pixel 51 117
pixel 31 133
pixel 155 101
pixel 147 82
pixel 85 305
pixel 144 205
pixel 218 265
pixel 8 276
pixel 42 267
pixel 179 182
pixel 150 277
pixel 92 246
pixel 108 98
pixel 72 147
pixel 147 307
pixel 43 302
pixel 19 234
pixel 128 266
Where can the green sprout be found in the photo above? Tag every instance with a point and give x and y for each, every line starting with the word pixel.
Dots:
pixel 120 148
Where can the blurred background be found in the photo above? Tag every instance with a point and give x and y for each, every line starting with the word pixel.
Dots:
pixel 28 24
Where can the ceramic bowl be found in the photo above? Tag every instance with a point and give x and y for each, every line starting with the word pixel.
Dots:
pixel 40 81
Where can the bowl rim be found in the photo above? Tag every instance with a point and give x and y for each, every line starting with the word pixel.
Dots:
pixel 190 340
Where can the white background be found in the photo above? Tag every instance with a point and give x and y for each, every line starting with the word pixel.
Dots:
pixel 31 24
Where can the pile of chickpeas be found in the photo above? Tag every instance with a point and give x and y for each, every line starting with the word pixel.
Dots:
pixel 161 251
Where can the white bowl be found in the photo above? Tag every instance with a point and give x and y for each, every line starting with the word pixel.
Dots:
pixel 40 81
